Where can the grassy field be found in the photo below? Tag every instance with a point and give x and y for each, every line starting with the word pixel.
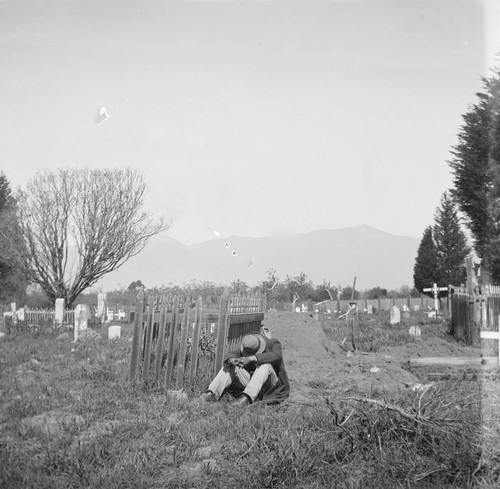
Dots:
pixel 69 419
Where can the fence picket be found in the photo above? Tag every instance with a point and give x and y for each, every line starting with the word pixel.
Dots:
pixel 148 339
pixel 136 339
pixel 196 340
pixel 224 308
pixel 161 338
pixel 179 382
pixel 172 342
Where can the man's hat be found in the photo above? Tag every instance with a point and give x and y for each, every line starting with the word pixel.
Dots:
pixel 252 344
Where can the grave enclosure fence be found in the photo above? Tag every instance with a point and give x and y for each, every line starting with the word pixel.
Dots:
pixel 171 331
pixel 36 321
pixel 473 312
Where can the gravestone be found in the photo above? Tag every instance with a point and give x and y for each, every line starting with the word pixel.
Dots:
pixel 415 331
pixel 114 332
pixel 369 309
pixel 13 310
pixel 416 307
pixel 435 292
pixel 395 315
pixel 107 332
pixel 82 316
pixel 59 314
pixel 110 315
pixel 406 315
pixel 20 314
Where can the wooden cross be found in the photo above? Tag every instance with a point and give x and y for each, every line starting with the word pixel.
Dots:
pixel 492 335
pixel 435 290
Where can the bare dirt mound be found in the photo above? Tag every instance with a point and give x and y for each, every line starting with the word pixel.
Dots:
pixel 317 367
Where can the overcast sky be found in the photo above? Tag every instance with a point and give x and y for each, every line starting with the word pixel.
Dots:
pixel 249 117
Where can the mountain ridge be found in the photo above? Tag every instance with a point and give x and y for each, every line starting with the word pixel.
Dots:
pixel 375 257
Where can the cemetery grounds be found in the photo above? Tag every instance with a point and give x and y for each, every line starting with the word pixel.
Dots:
pixel 358 415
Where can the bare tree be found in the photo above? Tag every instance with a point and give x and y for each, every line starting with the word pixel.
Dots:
pixel 79 224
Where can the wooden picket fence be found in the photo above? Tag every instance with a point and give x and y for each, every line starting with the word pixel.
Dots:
pixel 170 327
pixel 473 313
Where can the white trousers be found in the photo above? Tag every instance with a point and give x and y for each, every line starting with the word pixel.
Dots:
pixel 263 377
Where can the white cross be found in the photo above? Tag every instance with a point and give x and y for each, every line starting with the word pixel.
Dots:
pixel 492 335
pixel 435 290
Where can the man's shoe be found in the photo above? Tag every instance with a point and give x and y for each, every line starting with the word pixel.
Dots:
pixel 242 401
pixel 208 397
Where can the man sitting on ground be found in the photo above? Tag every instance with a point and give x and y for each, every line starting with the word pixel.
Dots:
pixel 257 369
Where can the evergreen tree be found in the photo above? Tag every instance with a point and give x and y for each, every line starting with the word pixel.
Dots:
pixel 476 166
pixel 450 243
pixel 426 270
pixel 12 279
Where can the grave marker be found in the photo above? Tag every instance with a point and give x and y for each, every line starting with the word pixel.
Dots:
pixel 59 314
pixel 101 306
pixel 435 291
pixel 395 315
pixel 82 315
pixel 415 331
pixel 114 332
pixel 110 315
pixel 20 314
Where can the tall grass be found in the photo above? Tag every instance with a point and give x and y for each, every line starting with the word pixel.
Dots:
pixel 99 431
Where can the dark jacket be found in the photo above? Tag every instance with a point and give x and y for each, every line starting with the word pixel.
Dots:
pixel 272 354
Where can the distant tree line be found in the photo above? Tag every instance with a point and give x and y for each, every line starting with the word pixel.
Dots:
pixel 273 288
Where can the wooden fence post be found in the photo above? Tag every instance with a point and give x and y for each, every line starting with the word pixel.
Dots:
pixel 148 339
pixel 179 382
pixel 172 342
pixel 161 338
pixel 136 340
pixel 221 330
pixel 196 340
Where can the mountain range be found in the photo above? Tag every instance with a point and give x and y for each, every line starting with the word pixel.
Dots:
pixel 374 257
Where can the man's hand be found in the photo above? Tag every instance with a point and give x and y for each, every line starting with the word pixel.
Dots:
pixel 243 361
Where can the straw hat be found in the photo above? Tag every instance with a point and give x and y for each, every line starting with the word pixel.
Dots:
pixel 252 344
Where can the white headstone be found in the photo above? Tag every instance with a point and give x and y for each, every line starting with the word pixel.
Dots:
pixel 114 332
pixel 415 331
pixel 369 309
pixel 110 315
pixel 59 315
pixel 405 308
pixel 395 315
pixel 416 307
pixel 82 315
pixel 20 314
